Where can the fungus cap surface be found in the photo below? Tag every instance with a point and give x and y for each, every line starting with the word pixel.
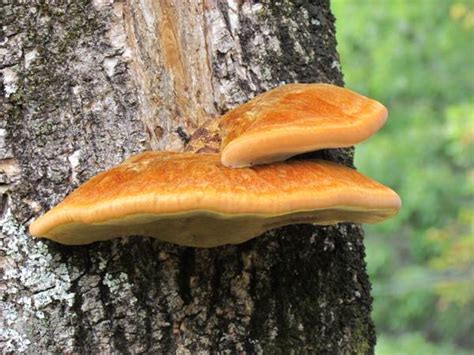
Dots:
pixel 294 119
pixel 194 200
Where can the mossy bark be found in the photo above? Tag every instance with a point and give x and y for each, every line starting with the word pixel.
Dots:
pixel 88 83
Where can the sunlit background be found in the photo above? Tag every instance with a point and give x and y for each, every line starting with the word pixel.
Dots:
pixel 417 57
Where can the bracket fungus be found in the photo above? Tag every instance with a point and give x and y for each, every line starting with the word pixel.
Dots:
pixel 294 119
pixel 192 199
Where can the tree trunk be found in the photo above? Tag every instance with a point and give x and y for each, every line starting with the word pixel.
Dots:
pixel 87 84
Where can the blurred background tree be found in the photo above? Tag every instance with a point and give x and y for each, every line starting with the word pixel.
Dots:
pixel 417 58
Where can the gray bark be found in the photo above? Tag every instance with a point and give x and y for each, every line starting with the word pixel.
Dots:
pixel 89 83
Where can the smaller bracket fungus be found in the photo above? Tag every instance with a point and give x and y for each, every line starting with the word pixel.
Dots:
pixel 192 199
pixel 294 119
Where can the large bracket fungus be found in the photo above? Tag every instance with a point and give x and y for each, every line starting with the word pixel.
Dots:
pixel 200 200
pixel 192 199
pixel 294 119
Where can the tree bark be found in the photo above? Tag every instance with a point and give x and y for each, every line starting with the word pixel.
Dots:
pixel 86 84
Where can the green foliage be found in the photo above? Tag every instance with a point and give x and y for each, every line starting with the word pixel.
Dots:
pixel 417 58
pixel 413 343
